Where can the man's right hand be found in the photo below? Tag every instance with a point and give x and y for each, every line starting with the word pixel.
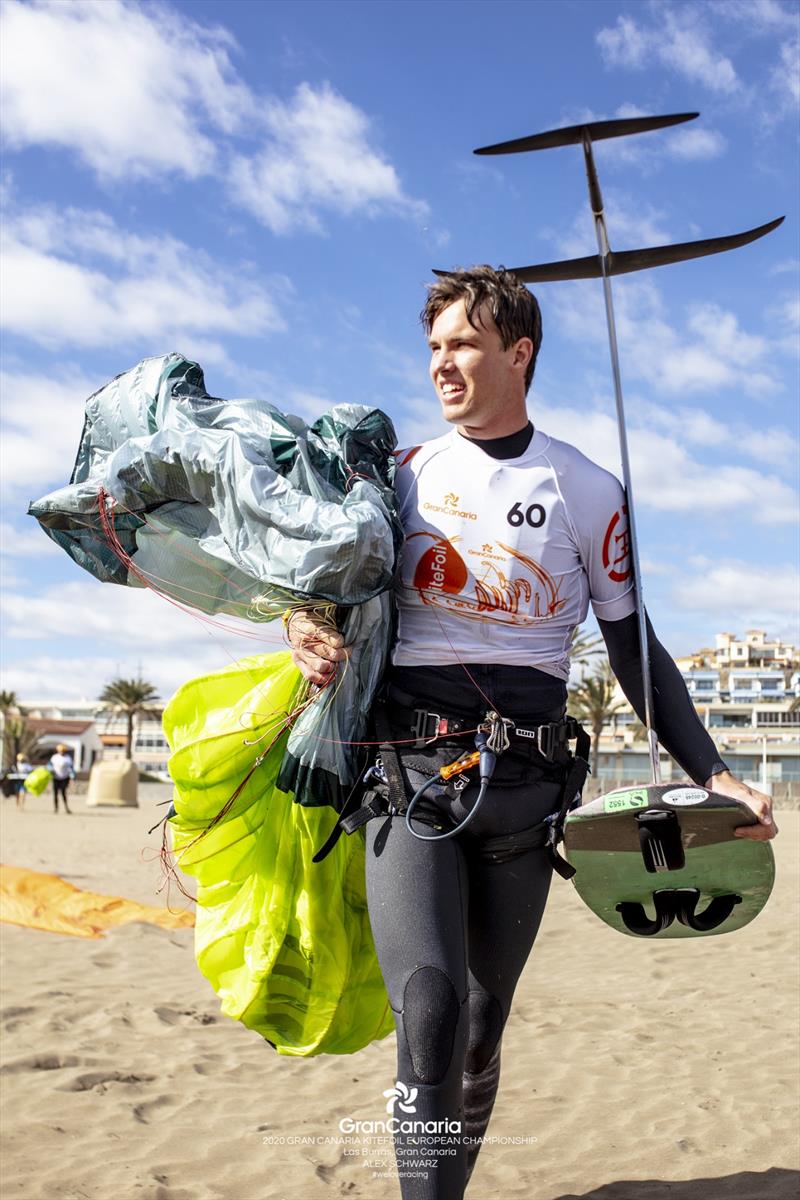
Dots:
pixel 317 646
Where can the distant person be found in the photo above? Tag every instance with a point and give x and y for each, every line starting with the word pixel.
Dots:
pixel 21 770
pixel 62 769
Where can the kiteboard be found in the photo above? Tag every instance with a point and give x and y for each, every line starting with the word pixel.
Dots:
pixel 663 861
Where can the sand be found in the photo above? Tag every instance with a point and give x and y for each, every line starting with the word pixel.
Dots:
pixel 632 1071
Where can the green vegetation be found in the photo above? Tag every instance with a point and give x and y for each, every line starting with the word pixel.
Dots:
pixel 592 702
pixel 130 696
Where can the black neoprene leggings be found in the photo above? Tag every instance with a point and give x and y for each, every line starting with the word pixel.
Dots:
pixel 453 931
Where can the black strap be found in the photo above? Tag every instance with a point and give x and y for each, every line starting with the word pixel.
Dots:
pixel 637 921
pixel 660 840
pixel 371 808
pixel 373 804
pixel 390 759
pixel 573 786
pixel 718 910
pixel 508 846
pixel 670 903
pixel 356 794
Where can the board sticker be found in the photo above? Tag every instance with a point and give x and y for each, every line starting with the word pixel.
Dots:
pixel 685 796
pixel 624 800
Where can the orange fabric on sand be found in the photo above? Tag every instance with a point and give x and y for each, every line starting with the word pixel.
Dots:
pixel 48 902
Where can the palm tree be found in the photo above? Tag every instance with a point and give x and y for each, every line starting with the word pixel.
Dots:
pixel 18 738
pixel 592 700
pixel 8 705
pixel 130 696
pixel 583 646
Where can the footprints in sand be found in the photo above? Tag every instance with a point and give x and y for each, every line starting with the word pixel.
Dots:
pixel 87 1081
pixel 183 1016
pixel 209 1064
pixel 41 1062
pixel 144 1112
pixel 165 1189
pixel 10 1017
pixel 98 1081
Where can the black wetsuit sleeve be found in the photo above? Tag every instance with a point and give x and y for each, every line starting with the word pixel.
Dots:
pixel 676 722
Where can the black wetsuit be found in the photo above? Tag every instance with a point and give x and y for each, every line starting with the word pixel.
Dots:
pixel 453 930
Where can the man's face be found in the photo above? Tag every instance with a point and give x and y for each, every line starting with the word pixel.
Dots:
pixel 480 385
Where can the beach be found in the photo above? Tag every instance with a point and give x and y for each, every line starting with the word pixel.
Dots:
pixel 632 1071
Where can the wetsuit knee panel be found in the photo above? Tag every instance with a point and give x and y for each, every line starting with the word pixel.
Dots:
pixel 429 1021
pixel 485 1029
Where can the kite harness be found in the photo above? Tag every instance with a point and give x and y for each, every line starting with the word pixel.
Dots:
pixel 383 790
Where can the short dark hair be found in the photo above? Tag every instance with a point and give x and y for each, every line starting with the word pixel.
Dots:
pixel 514 308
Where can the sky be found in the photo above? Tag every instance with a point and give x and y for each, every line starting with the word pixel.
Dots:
pixel 266 187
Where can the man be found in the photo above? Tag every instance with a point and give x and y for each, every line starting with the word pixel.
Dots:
pixel 22 770
pixel 62 769
pixel 509 535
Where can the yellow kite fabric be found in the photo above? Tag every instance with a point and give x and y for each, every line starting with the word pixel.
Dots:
pixel 48 902
pixel 38 781
pixel 284 941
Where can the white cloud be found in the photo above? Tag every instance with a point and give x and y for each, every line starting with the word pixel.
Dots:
pixel 626 45
pixel 666 476
pixel 785 74
pixel 680 42
pixel 681 38
pixel 691 143
pixel 76 278
pixel 686 49
pixel 711 352
pixel 760 16
pixel 126 87
pixel 308 405
pixel 631 224
pixel 788 264
pixel 417 418
pixel 42 419
pixel 82 676
pixel 725 590
pixel 119 616
pixel 647 151
pixel 141 91
pixel 720 332
pixel 317 156
pixel 775 446
pixel 26 543
pixel 127 626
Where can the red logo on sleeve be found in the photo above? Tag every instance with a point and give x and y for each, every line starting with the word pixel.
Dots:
pixel 617 547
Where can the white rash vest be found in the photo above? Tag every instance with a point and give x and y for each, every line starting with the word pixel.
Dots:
pixel 502 556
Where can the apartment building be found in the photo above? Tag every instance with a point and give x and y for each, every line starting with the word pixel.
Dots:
pixel 752 713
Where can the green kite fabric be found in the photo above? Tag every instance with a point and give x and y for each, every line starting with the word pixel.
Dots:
pixel 38 781
pixel 284 941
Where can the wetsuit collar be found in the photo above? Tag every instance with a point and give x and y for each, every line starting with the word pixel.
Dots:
pixel 513 445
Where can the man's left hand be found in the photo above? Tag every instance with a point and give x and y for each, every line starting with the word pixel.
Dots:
pixel 726 784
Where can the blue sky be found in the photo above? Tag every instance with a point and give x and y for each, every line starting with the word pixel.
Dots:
pixel 265 187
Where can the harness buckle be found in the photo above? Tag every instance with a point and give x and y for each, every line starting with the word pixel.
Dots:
pixel 546 737
pixel 427 726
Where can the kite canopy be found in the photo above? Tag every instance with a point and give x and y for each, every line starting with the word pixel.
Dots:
pixel 231 494
pixel 231 506
pixel 286 942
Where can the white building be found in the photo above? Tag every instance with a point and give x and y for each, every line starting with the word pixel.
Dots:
pixel 755 650
pixel 94 732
